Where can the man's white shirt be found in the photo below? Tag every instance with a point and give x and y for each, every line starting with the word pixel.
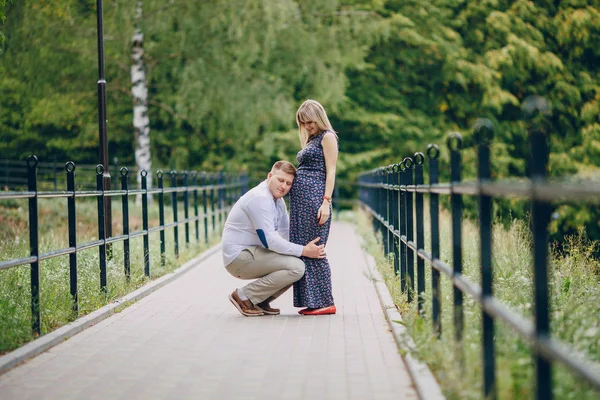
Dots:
pixel 257 219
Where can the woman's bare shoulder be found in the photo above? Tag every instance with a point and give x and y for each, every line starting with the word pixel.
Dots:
pixel 330 135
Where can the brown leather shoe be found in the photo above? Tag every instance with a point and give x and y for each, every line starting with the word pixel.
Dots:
pixel 245 307
pixel 267 309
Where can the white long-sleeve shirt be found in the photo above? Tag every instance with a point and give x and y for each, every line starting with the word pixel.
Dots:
pixel 257 219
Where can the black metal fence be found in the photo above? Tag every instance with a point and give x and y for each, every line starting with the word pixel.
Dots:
pixel 210 195
pixel 394 196
pixel 51 175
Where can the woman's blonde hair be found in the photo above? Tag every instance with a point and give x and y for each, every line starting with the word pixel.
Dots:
pixel 311 111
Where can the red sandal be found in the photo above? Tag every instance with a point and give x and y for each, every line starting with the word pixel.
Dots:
pixel 319 311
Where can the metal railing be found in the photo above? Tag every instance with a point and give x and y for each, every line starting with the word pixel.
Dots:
pixel 393 195
pixel 50 175
pixel 218 192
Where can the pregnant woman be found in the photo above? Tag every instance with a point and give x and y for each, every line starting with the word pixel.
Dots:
pixel 310 205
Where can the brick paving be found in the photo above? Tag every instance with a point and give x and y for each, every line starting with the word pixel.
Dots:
pixel 186 341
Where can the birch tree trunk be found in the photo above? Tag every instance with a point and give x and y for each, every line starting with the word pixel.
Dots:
pixel 139 90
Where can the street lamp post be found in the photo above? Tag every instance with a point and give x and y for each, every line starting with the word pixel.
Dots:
pixel 102 122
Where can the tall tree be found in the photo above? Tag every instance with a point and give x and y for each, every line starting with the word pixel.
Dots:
pixel 139 91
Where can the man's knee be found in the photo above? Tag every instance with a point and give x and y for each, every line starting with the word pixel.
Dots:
pixel 297 267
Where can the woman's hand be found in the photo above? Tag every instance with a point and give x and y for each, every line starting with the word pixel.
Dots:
pixel 324 213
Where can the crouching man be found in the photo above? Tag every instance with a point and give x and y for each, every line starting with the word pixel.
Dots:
pixel 256 244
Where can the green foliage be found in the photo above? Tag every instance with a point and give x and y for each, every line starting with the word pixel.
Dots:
pixel 236 72
pixel 225 79
pixel 48 69
pixel 443 64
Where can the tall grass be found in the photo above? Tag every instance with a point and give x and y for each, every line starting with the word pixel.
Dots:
pixel 575 311
pixel 55 298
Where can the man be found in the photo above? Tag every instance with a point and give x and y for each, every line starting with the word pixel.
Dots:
pixel 256 244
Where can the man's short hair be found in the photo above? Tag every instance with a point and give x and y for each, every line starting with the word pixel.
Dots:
pixel 284 166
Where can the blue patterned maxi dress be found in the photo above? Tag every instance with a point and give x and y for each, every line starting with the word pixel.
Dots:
pixel 306 196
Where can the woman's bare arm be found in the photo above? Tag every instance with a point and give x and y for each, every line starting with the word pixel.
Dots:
pixel 330 152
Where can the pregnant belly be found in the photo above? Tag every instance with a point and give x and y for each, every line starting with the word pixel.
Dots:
pixel 308 184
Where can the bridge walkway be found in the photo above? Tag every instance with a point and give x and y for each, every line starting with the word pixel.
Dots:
pixel 186 341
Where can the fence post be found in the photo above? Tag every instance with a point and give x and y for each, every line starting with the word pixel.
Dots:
pixel 410 255
pixel 186 207
pixel 455 144
pixel 381 209
pixel 72 217
pixel 395 219
pixel 419 160
pixel 204 181
pixel 433 152
pixel 381 205
pixel 221 197
pixel 212 201
pixel 228 180
pixel 391 221
pixel 144 174
pixel 101 226
pixel 233 184
pixel 161 216
pixel 375 200
pixel 34 250
pixel 536 110
pixel 484 132
pixel 196 222
pixel 402 226
pixel 226 195
pixel 174 205
pixel 125 207
pixel 387 208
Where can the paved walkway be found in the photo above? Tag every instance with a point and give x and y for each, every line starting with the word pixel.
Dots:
pixel 186 341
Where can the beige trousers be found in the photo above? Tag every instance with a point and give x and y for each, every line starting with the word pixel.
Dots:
pixel 274 272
